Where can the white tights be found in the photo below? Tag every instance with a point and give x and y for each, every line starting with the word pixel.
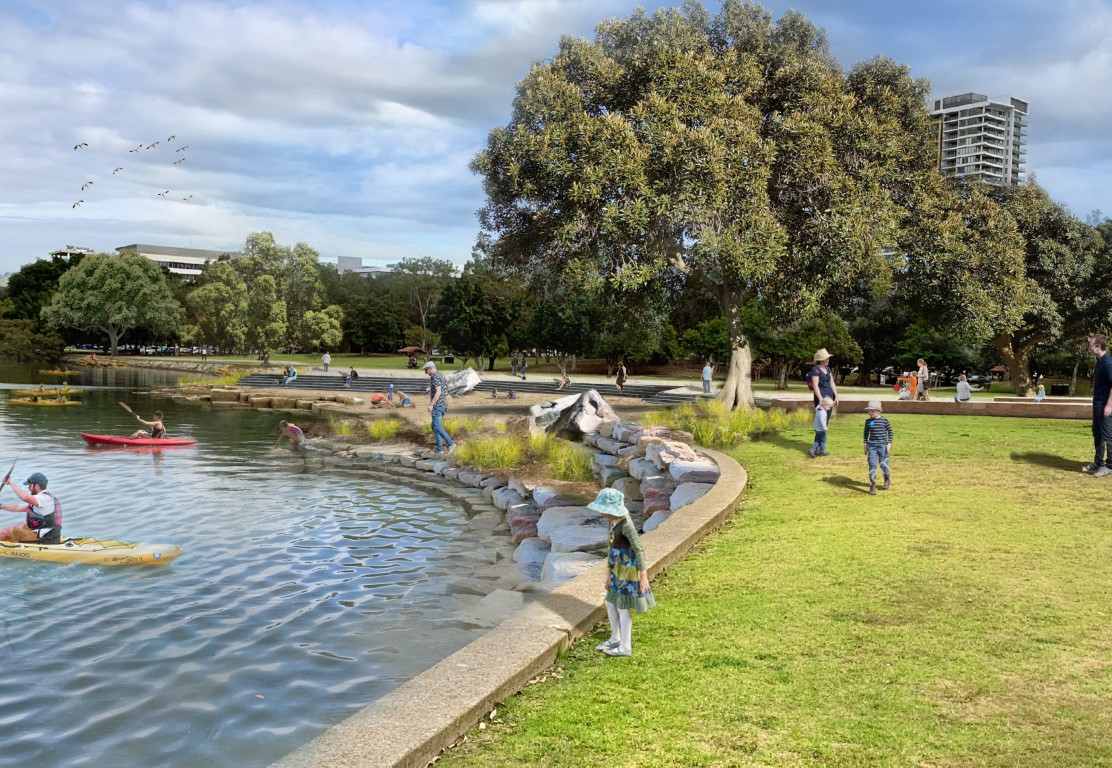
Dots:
pixel 621 626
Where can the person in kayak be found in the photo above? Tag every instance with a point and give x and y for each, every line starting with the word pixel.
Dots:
pixel 155 428
pixel 291 432
pixel 43 523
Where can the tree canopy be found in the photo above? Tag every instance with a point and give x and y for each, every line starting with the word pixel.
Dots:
pixel 731 148
pixel 114 294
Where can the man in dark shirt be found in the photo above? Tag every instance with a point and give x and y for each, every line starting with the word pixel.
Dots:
pixel 438 405
pixel 1102 408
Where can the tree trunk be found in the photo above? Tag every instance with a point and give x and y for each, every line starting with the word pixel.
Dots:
pixel 1016 363
pixel 737 389
pixel 1073 378
pixel 782 375
pixel 490 365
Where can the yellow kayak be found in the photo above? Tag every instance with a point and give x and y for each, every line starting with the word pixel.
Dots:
pixel 45 392
pixel 93 551
pixel 57 373
pixel 41 401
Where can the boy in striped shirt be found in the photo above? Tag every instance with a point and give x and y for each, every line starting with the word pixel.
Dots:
pixel 878 444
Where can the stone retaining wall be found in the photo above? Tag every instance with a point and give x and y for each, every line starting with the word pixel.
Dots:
pixel 676 492
pixel 1021 408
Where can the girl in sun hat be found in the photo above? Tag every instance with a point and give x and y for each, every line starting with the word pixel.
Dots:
pixel 627 581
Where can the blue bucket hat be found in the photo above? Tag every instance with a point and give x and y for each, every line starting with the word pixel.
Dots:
pixel 610 502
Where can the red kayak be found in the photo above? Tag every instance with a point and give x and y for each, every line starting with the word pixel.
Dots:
pixel 134 441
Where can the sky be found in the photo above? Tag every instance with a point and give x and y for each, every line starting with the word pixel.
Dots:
pixel 349 124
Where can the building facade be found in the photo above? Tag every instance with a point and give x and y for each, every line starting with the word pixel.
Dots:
pixel 982 138
pixel 181 261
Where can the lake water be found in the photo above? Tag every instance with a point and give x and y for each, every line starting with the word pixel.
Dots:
pixel 303 594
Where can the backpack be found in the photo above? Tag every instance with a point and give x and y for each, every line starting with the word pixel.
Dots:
pixel 810 381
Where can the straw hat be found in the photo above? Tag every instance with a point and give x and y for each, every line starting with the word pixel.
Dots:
pixel 610 502
pixel 822 355
pixel 873 405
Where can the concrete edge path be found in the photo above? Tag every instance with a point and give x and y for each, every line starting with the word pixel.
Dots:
pixel 412 724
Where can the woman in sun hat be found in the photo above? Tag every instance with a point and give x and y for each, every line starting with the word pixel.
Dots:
pixel 822 379
pixel 627 581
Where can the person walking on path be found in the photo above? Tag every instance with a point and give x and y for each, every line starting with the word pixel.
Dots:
pixel 42 512
pixel 513 365
pixel 822 379
pixel 923 379
pixel 327 360
pixel 438 406
pixel 878 445
pixel 822 416
pixel 627 581
pixel 1102 408
pixel 621 377
pixel 708 372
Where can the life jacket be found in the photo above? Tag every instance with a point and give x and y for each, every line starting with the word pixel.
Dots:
pixel 157 432
pixel 46 522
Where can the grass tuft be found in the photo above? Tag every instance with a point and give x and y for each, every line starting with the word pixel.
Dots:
pixel 495 452
pixel 716 426
pixel 384 430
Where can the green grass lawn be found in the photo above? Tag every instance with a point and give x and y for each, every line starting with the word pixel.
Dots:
pixel 962 618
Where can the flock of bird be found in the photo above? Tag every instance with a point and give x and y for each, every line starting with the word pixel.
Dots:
pixel 138 149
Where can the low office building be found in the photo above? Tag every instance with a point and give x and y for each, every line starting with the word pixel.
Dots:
pixel 181 261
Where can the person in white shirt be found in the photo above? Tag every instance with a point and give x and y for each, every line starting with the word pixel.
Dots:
pixel 965 394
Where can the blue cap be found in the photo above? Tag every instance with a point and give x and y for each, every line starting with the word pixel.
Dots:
pixel 38 478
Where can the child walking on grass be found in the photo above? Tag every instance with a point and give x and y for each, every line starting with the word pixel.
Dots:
pixel 878 444
pixel 822 418
pixel 627 581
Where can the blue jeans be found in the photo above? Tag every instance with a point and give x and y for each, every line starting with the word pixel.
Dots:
pixel 438 431
pixel 706 386
pixel 820 443
pixel 878 454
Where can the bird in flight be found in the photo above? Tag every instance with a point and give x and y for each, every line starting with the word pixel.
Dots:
pixel 79 202
pixel 86 185
pixel 170 138
pixel 163 194
pixel 182 149
pixel 117 169
pixel 136 149
pixel 81 145
pixel 187 198
pixel 178 162
pixel 152 146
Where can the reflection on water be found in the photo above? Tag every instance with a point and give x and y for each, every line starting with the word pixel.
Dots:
pixel 301 596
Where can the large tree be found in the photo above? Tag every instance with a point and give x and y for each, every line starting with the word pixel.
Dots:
pixel 420 281
pixel 730 148
pixel 114 294
pixel 220 307
pixel 1068 275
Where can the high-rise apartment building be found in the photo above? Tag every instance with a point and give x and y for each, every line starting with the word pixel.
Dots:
pixel 982 138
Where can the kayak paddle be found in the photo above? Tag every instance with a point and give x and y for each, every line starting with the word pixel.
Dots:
pixel 125 407
pixel 10 470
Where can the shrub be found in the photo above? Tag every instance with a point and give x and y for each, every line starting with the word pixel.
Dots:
pixel 716 426
pixel 383 430
pixel 342 427
pixel 493 452
pixel 569 461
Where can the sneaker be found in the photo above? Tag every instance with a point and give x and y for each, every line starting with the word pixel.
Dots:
pixel 1090 468
pixel 617 650
pixel 811 452
pixel 451 448
pixel 823 453
pixel 887 484
pixel 606 645
pixel 872 489
pixel 1103 472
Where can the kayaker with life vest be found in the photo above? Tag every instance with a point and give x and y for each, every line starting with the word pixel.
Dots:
pixel 43 523
pixel 155 428
pixel 291 432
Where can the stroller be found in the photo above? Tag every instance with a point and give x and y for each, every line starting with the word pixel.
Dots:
pixel 904 385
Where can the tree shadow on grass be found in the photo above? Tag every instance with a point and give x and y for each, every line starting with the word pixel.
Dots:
pixel 1048 460
pixel 781 441
pixel 847 483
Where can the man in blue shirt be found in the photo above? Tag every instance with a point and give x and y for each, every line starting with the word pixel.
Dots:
pixel 438 405
pixel 1102 408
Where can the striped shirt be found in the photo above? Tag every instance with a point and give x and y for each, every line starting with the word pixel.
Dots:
pixel 877 431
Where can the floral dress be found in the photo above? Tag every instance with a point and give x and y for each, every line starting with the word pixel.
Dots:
pixel 627 560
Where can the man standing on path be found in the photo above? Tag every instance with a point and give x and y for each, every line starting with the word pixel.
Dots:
pixel 438 405
pixel 1102 408
pixel 708 372
pixel 326 359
